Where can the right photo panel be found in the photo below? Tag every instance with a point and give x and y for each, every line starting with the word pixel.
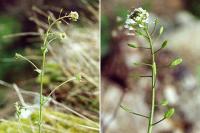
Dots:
pixel 150 67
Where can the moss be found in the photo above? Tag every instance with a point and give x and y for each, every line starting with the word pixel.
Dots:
pixel 55 122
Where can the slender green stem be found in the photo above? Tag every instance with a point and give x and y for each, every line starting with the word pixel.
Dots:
pixel 145 76
pixel 71 79
pixel 134 113
pixel 41 90
pixel 157 50
pixel 141 63
pixel 28 60
pixel 142 48
pixel 151 116
pixel 139 114
pixel 44 51
pixel 159 121
pixel 155 24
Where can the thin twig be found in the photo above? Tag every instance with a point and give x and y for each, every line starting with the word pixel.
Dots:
pixel 71 79
pixel 23 57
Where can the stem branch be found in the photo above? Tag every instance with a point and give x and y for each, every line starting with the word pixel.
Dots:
pixel 159 121
pixel 134 113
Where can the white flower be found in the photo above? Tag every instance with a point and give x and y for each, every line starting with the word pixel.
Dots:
pixel 130 21
pixel 138 18
pixel 74 16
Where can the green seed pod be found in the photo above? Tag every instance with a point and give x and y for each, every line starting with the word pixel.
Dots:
pixel 132 45
pixel 164 102
pixel 169 113
pixel 161 30
pixel 176 62
pixel 164 44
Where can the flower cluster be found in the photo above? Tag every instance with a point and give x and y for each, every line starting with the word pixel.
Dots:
pixel 74 16
pixel 138 18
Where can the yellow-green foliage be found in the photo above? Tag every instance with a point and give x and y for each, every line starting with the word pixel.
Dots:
pixel 54 122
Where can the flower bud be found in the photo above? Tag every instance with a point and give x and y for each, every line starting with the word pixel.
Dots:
pixel 63 35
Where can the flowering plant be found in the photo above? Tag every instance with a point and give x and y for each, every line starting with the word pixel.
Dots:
pixel 73 16
pixel 138 22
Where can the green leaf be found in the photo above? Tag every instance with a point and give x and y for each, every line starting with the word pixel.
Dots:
pixel 133 45
pixel 161 30
pixel 176 62
pixel 164 102
pixel 169 113
pixel 164 44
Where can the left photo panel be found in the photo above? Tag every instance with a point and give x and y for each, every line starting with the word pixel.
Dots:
pixel 49 66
